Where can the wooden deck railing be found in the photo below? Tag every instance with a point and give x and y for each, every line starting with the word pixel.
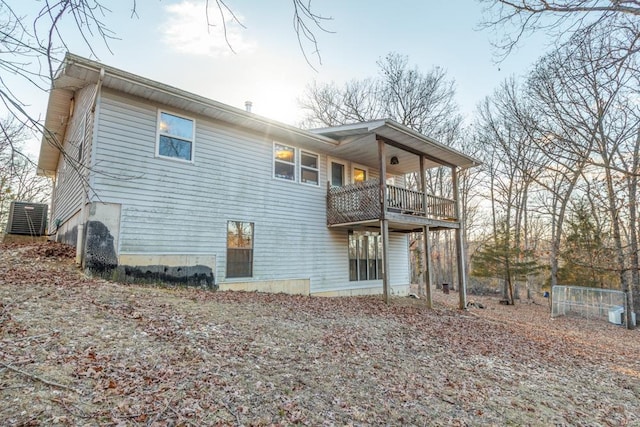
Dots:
pixel 353 202
pixel 361 202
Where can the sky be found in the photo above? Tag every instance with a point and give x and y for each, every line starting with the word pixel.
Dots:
pixel 169 41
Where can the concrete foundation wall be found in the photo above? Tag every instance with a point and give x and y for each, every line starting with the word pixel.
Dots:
pixel 68 231
pixel 102 230
pixel 402 290
pixel 188 269
pixel 292 286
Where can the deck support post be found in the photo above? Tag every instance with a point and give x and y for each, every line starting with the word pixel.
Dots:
pixel 384 229
pixel 428 278
pixel 462 276
pixel 423 186
pixel 384 223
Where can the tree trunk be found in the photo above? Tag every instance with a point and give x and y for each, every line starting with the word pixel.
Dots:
pixel 617 238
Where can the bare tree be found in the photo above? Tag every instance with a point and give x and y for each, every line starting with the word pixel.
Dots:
pixel 514 163
pixel 422 101
pixel 33 44
pixel 590 105
pixel 564 19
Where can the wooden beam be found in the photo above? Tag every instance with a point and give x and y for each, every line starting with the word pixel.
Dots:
pixel 428 275
pixel 384 223
pixel 382 162
pixel 425 235
pixel 386 289
pixel 423 186
pixel 462 275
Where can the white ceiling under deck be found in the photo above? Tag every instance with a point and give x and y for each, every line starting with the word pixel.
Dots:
pixel 359 144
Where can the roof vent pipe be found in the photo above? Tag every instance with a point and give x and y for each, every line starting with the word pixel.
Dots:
pixel 248 105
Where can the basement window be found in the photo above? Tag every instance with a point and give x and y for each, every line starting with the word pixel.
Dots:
pixel 239 249
pixel 365 255
pixel 175 136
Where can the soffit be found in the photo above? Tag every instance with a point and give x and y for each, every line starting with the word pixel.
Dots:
pixel 358 143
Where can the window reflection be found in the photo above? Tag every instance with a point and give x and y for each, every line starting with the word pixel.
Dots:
pixel 359 175
pixel 284 162
pixel 365 255
pixel 175 136
pixel 239 249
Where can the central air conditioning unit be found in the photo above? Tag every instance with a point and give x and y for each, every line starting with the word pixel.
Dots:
pixel 27 219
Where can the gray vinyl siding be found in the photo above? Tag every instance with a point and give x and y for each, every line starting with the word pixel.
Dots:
pixel 71 175
pixel 178 207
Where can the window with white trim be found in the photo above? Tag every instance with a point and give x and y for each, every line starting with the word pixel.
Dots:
pixel 284 162
pixel 359 174
pixel 337 173
pixel 175 136
pixel 365 255
pixel 239 249
pixel 309 168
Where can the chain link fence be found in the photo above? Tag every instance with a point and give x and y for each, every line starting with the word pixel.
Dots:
pixel 605 304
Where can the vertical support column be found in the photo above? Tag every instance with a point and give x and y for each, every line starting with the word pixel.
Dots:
pixel 423 187
pixel 384 223
pixel 383 178
pixel 462 276
pixel 425 231
pixel 384 231
pixel 428 279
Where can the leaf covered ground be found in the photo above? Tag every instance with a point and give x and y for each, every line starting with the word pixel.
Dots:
pixel 81 351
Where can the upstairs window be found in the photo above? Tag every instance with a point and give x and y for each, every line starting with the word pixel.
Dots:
pixel 284 162
pixel 175 136
pixel 309 173
pixel 359 174
pixel 337 174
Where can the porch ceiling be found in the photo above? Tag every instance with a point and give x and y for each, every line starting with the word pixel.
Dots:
pixel 358 143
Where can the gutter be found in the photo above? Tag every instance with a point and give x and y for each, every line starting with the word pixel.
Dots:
pixel 197 99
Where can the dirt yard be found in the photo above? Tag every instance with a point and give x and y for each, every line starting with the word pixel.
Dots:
pixel 79 351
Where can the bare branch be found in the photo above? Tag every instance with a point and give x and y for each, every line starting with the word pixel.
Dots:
pixel 304 21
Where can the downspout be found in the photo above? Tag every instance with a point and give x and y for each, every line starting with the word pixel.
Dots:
pixel 80 243
pixel 54 188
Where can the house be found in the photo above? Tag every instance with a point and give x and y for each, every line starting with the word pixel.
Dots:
pixel 155 183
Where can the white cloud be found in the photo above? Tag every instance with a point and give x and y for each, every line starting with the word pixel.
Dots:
pixel 185 29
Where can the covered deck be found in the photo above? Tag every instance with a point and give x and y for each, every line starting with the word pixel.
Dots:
pixel 396 150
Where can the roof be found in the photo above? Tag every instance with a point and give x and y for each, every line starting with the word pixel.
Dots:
pixel 404 143
pixel 355 142
pixel 76 72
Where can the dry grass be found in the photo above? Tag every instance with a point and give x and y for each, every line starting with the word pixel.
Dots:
pixel 79 351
